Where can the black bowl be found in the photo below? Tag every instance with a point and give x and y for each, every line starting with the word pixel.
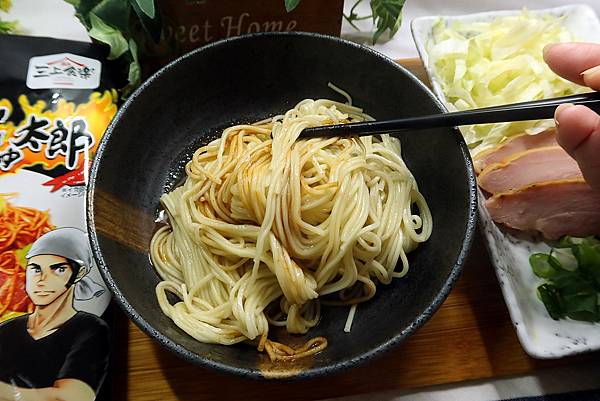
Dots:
pixel 246 79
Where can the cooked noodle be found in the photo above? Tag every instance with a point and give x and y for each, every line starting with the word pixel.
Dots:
pixel 266 224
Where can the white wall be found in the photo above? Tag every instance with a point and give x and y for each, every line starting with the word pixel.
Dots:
pixel 55 18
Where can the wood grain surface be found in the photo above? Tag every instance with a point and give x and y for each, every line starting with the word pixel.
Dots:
pixel 470 337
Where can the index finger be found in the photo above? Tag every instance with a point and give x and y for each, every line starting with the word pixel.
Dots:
pixel 570 60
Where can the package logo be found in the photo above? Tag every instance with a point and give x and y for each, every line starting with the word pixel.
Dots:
pixel 63 71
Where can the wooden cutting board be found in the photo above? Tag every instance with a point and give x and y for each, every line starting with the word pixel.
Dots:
pixel 470 337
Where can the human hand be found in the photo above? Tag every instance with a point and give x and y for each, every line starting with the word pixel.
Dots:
pixel 578 126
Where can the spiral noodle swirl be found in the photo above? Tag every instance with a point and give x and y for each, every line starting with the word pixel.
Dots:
pixel 266 224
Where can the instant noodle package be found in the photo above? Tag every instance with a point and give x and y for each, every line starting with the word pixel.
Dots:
pixel 56 100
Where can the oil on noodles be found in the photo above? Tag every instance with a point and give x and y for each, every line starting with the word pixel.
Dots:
pixel 266 225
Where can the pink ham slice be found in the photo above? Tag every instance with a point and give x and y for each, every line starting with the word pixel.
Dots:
pixel 527 168
pixel 555 209
pixel 513 146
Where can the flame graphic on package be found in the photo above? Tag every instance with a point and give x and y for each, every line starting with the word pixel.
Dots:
pixel 65 135
pixel 57 134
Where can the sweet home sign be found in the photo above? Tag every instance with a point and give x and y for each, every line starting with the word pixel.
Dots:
pixel 193 23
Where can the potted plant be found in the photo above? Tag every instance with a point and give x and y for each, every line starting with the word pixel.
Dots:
pixel 145 34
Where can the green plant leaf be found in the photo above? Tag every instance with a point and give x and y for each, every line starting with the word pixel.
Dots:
pixel 290 5
pixel 83 9
pixel 9 27
pixel 135 71
pixel 147 7
pixel 105 33
pixel 74 3
pixel 115 13
pixel 387 16
pixel 152 25
pixel 5 5
pixel 134 50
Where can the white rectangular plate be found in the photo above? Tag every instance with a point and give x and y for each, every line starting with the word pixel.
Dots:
pixel 539 334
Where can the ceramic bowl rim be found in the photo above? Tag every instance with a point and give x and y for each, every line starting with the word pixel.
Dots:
pixel 312 372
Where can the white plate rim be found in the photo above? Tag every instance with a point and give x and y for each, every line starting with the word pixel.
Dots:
pixel 418 27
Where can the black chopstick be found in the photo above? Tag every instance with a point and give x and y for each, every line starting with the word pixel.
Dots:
pixel 534 110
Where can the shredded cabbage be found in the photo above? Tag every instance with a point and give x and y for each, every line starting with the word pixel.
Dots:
pixel 482 64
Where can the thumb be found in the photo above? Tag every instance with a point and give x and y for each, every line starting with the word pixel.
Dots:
pixel 579 135
pixel 591 77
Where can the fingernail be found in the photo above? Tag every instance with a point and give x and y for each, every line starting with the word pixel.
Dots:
pixel 547 48
pixel 591 71
pixel 559 110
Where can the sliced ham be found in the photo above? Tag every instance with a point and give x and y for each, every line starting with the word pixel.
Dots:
pixel 513 146
pixel 527 168
pixel 555 209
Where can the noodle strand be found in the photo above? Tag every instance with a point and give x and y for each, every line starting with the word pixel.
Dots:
pixel 266 225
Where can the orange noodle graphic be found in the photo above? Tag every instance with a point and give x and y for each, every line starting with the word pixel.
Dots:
pixel 19 228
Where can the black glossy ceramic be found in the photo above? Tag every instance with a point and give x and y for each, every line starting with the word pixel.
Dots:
pixel 247 79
